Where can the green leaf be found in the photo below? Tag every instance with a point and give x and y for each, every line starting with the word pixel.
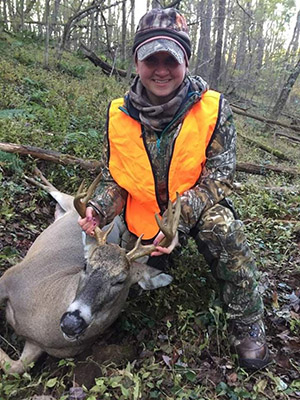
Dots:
pixel 51 382
pixel 191 376
pixel 125 392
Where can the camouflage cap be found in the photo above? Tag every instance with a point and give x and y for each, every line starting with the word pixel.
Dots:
pixel 168 24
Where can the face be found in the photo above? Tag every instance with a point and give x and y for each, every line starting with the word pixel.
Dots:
pixel 161 75
pixel 102 290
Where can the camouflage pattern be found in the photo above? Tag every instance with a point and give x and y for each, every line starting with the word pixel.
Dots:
pixel 155 45
pixel 159 18
pixel 216 231
pixel 221 239
pixel 160 22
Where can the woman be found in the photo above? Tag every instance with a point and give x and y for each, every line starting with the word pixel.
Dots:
pixel 170 134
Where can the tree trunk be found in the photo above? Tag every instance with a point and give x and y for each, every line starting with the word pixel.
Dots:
pixel 54 18
pixel 294 43
pixel 78 17
pixel 123 36
pixel 4 23
pixel 241 50
pixel 218 55
pixel 282 99
pixel 203 54
pixel 132 27
pixel 47 18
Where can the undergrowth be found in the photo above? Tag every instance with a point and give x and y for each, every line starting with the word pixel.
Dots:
pixel 179 333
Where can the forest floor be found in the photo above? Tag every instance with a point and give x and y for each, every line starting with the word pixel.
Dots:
pixel 170 343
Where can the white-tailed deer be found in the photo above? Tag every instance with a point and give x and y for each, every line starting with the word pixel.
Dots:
pixel 63 295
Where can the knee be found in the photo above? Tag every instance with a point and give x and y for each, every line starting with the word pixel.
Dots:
pixel 220 220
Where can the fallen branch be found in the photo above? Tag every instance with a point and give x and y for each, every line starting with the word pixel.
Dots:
pixel 102 64
pixel 266 120
pixel 289 137
pixel 49 155
pixel 94 165
pixel 285 189
pixel 266 148
pixel 263 169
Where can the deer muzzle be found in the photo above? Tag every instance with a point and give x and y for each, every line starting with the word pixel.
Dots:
pixel 72 325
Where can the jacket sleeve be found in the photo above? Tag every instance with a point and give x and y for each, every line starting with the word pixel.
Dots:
pixel 109 198
pixel 216 180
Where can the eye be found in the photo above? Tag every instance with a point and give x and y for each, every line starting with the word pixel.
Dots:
pixel 171 62
pixel 85 266
pixel 120 280
pixel 151 60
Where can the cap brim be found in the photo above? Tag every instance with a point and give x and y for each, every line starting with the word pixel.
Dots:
pixel 158 45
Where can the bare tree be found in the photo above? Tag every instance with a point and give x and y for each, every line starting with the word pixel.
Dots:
pixel 219 44
pixel 47 19
pixel 203 54
pixel 124 28
pixel 54 18
pixel 282 99
pixel 294 43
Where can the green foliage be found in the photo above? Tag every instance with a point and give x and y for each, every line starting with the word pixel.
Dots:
pixel 11 162
pixel 180 331
pixel 53 108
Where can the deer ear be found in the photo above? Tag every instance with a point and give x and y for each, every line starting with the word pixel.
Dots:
pixel 87 242
pixel 148 277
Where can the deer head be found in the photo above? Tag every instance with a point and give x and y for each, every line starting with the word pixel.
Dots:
pixel 109 273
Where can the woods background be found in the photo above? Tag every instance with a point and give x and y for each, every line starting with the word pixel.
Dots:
pixel 247 49
pixel 61 63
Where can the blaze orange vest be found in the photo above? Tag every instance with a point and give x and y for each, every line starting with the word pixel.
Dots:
pixel 130 166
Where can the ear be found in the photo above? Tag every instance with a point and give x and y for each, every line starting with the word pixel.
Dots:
pixel 148 277
pixel 87 242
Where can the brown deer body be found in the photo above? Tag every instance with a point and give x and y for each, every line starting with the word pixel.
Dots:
pixel 60 301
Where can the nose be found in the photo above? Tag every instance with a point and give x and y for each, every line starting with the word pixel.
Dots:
pixel 72 324
pixel 161 69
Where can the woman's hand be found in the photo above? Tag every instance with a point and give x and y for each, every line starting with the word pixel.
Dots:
pixel 164 250
pixel 89 223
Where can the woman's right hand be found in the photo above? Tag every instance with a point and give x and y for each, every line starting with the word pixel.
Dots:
pixel 89 223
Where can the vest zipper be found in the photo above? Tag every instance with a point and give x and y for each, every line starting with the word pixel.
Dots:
pixel 187 106
pixel 124 110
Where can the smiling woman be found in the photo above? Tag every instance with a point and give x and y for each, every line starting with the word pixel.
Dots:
pixel 161 75
pixel 170 134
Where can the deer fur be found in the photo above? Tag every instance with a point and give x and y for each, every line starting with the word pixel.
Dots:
pixel 55 284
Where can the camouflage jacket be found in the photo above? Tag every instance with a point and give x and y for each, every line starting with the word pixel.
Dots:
pixel 213 185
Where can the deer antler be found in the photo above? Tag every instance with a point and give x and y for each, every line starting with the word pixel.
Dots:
pixel 80 201
pixel 169 229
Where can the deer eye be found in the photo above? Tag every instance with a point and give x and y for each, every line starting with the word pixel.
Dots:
pixel 120 280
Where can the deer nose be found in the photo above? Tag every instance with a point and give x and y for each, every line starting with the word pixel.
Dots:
pixel 72 324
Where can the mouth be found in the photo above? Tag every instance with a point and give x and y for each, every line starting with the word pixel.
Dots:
pixel 161 81
pixel 70 338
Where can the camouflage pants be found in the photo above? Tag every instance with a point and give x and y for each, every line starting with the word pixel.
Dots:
pixel 220 238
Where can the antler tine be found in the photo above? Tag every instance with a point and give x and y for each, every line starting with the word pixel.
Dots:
pixel 81 198
pixel 169 229
pixel 101 235
pixel 80 202
pixel 172 220
pixel 139 250
pixel 92 187
pixel 79 205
